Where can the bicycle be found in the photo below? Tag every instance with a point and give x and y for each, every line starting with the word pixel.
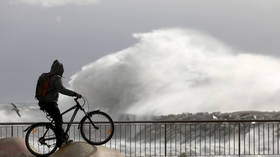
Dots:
pixel 96 128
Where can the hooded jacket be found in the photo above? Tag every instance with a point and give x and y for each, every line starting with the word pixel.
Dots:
pixel 55 85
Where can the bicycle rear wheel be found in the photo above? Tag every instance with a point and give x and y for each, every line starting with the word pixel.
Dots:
pixel 101 132
pixel 41 140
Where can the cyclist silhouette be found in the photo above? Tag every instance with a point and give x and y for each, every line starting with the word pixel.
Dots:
pixel 48 92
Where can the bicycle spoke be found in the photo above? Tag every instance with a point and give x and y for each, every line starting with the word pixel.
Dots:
pixel 43 140
pixel 101 131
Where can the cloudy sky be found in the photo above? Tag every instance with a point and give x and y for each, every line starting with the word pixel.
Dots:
pixel 35 32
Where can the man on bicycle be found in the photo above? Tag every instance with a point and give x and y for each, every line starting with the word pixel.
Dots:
pixel 49 86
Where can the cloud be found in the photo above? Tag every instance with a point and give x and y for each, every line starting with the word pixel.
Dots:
pixel 180 70
pixel 52 3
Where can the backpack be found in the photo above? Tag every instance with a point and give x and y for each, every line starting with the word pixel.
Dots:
pixel 42 86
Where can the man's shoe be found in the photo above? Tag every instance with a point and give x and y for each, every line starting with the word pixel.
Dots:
pixel 66 142
pixel 69 141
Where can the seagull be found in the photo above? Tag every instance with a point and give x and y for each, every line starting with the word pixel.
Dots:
pixel 15 109
pixel 214 117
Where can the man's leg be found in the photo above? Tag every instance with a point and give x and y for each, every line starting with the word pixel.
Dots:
pixel 54 112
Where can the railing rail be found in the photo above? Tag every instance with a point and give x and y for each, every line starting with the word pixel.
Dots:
pixel 183 138
pixel 161 121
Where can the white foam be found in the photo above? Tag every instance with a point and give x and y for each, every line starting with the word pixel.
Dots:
pixel 180 70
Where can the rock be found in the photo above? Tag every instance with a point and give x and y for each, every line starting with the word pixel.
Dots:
pixel 13 147
pixel 182 155
pixel 83 149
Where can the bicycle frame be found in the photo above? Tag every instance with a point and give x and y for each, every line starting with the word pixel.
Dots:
pixel 77 107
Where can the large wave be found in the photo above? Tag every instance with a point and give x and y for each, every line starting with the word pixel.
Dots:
pixel 180 70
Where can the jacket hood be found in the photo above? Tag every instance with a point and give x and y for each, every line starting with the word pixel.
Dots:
pixel 57 68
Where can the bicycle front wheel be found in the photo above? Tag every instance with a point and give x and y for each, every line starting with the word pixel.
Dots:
pixel 102 129
pixel 41 140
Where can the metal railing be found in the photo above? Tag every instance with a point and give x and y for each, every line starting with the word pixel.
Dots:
pixel 183 138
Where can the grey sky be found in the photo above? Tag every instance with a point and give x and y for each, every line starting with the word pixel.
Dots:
pixel 32 36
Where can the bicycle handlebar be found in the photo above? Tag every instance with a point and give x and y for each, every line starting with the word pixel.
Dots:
pixel 85 101
pixel 76 100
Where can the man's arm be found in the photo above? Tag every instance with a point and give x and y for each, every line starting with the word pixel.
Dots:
pixel 61 89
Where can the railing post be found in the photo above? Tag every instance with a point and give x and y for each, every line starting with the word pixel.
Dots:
pixel 12 130
pixel 165 140
pixel 239 141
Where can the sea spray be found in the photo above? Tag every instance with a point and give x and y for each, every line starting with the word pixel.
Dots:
pixel 179 70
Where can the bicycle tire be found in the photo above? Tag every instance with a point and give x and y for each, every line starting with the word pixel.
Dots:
pixel 32 131
pixel 109 131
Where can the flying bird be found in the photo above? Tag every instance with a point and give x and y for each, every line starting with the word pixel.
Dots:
pixel 15 109
pixel 214 117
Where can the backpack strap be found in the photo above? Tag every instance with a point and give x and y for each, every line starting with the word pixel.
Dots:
pixel 43 91
pixel 40 87
pixel 46 85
